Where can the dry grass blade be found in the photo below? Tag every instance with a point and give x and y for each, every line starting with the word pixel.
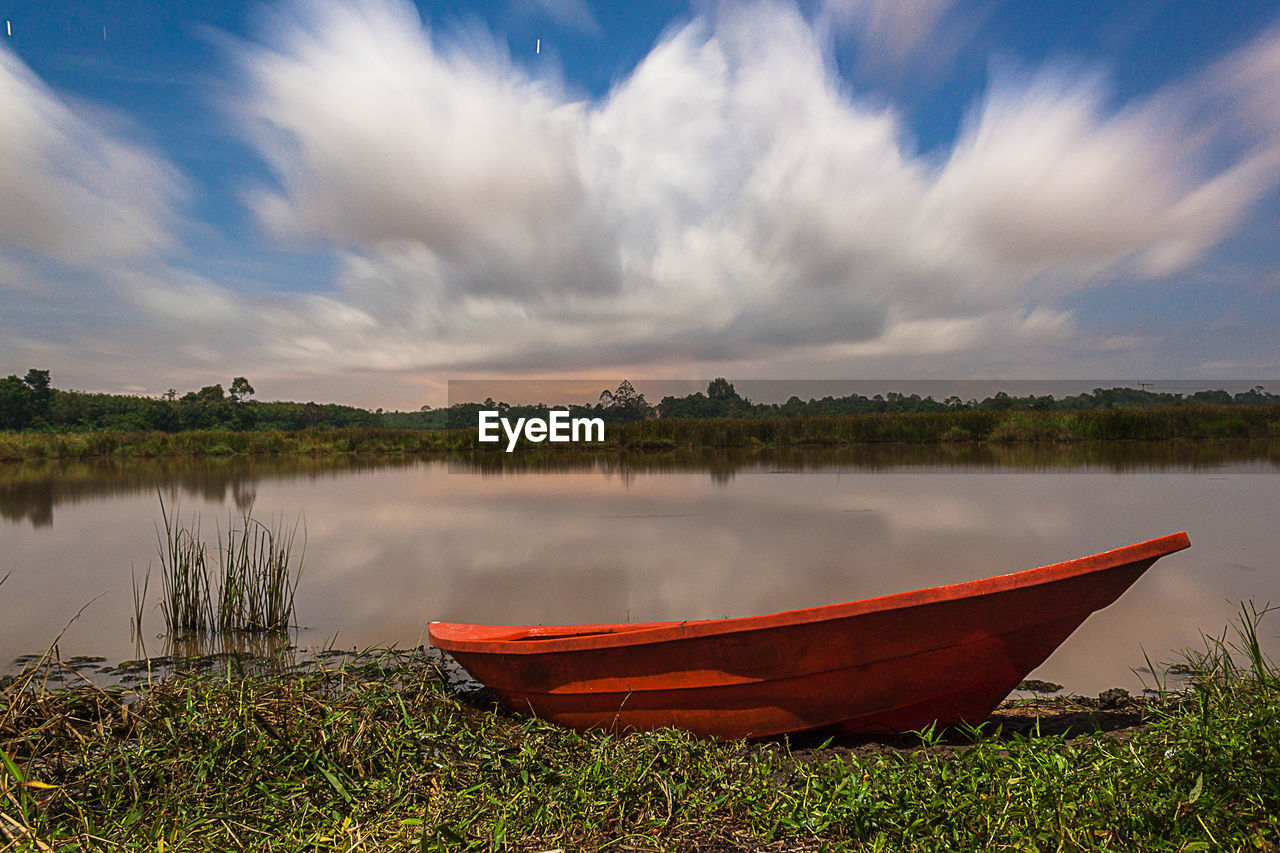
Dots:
pixel 17 832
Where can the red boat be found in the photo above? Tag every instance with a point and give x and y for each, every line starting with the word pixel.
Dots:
pixel 889 664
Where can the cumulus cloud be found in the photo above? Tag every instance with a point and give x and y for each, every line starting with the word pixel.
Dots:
pixel 378 138
pixel 74 188
pixel 728 200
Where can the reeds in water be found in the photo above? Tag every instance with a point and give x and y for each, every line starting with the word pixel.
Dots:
pixel 184 575
pixel 255 582
pixel 251 586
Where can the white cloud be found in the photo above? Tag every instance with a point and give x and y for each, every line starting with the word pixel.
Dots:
pixel 727 201
pixel 892 34
pixel 72 187
pixel 378 137
pixel 569 13
pixel 897 45
pixel 1044 178
pixel 1246 81
pixel 729 205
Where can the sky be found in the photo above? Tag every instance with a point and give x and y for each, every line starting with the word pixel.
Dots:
pixel 357 202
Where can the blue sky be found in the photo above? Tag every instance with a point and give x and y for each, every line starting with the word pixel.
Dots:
pixel 359 201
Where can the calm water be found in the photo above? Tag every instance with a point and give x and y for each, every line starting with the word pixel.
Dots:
pixel 394 544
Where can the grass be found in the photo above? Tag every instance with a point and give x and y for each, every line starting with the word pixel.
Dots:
pixel 251 588
pixel 258 575
pixel 373 753
pixel 1175 423
pixel 201 443
pixel 1161 424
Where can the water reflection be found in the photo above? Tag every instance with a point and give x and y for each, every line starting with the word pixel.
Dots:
pixel 393 542
pixel 187 646
pixel 30 491
pixel 722 464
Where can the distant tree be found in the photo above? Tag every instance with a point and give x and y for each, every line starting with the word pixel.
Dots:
pixel 721 389
pixel 207 394
pixel 1255 396
pixel 37 381
pixel 240 389
pixel 41 393
pixel 14 403
pixel 25 402
pixel 624 404
pixel 171 394
pixel 725 402
pixel 1000 402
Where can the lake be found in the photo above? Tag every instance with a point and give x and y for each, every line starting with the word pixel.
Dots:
pixel 393 543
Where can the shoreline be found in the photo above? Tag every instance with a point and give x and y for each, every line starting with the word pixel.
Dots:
pixel 137 673
pixel 375 750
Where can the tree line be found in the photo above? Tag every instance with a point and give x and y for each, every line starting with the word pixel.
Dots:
pixel 722 401
pixel 621 405
pixel 32 403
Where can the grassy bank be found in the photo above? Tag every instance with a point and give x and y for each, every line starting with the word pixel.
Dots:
pixel 1183 423
pixel 1166 424
pixel 374 754
pixel 196 443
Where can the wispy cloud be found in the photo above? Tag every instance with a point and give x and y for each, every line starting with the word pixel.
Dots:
pixel 729 203
pixel 73 186
pixel 726 201
pixel 575 14
pixel 896 40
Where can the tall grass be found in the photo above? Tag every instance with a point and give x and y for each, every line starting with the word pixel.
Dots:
pixel 256 581
pixel 251 587
pixel 1224 660
pixel 184 575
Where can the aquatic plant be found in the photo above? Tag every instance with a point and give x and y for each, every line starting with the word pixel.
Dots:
pixel 184 575
pixel 251 587
pixel 257 574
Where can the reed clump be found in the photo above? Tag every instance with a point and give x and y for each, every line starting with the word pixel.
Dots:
pixel 247 585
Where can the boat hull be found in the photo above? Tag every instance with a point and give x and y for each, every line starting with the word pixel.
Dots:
pixel 889 664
